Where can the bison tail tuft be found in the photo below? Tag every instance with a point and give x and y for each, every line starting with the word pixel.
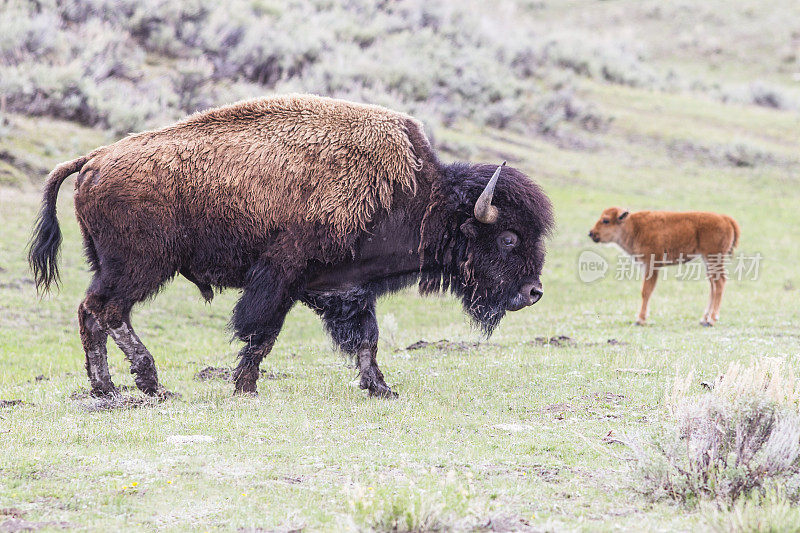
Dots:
pixel 46 238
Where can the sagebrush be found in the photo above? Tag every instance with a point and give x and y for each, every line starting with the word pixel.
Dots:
pixel 739 439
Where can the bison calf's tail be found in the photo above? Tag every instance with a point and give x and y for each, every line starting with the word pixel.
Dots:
pixel 46 238
pixel 736 232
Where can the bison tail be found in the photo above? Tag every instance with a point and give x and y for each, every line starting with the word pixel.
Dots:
pixel 46 238
pixel 736 232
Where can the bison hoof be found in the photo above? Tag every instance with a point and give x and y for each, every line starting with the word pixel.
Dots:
pixel 640 322
pixel 382 392
pixel 706 323
pixel 105 391
pixel 163 394
pixel 245 387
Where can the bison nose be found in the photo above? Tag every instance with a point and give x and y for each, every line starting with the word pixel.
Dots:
pixel 591 234
pixel 532 292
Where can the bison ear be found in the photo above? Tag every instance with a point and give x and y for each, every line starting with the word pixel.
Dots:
pixel 623 215
pixel 469 229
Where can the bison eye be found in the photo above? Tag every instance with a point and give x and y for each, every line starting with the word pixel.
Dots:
pixel 507 240
pixel 606 221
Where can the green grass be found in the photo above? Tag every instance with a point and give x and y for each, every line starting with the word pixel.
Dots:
pixel 511 431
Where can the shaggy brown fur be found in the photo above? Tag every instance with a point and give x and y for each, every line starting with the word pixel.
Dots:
pixel 338 161
pixel 662 238
pixel 295 198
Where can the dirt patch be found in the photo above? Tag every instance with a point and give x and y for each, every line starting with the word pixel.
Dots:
pixel 559 341
pixel 17 524
pixel 11 403
pixel 504 524
pixel 117 402
pixel 87 402
pixel 604 397
pixel 86 394
pixel 444 345
pixel 585 404
pixel 609 342
pixel 548 474
pixel 226 374
pixel 212 372
pixel 558 410
pixel 637 371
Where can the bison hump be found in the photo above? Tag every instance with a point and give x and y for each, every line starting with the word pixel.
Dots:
pixel 311 158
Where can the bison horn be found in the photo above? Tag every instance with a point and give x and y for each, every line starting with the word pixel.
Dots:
pixel 484 210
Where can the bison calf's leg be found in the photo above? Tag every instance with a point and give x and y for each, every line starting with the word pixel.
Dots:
pixel 350 320
pixel 718 297
pixel 709 312
pixel 94 344
pixel 651 276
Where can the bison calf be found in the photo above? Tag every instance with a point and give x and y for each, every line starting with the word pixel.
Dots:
pixel 662 238
pixel 292 199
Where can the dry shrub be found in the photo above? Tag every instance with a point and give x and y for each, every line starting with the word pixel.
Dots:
pixel 740 439
pixel 130 64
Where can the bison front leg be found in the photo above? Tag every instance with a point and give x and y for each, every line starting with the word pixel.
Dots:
pixel 649 283
pixel 350 320
pixel 371 376
pixel 257 319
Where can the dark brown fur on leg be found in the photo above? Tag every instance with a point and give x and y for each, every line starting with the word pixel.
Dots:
pixel 350 319
pixel 258 318
pixel 94 344
pixel 246 374
pixel 371 376
pixel 143 366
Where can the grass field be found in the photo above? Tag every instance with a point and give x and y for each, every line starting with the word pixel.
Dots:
pixel 506 435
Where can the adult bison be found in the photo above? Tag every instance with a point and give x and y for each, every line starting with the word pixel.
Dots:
pixel 293 198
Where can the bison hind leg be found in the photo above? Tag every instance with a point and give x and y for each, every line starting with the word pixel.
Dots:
pixel 109 301
pixel 94 340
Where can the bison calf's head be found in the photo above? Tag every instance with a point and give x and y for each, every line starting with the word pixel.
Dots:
pixel 492 227
pixel 609 226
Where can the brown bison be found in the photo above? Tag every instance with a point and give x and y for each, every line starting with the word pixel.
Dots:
pixel 294 198
pixel 661 238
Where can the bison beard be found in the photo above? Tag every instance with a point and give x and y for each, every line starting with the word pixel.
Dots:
pixel 484 303
pixel 291 199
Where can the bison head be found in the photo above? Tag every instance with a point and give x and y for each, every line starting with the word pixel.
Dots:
pixel 486 228
pixel 608 227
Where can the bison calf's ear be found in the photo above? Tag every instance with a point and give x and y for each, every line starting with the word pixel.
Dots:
pixel 623 215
